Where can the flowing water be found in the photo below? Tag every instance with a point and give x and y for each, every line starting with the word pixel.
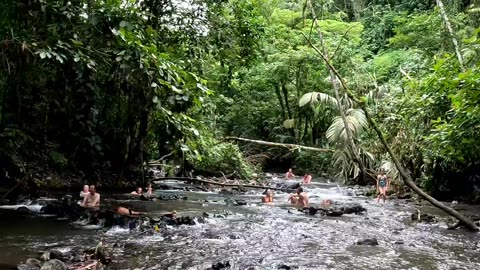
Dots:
pixel 258 236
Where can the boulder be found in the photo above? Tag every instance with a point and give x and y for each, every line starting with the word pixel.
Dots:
pixel 34 262
pixel 241 202
pixel 354 208
pixel 221 265
pixel 54 265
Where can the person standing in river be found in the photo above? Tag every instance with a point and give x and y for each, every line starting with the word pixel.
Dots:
pixel 382 185
pixel 92 199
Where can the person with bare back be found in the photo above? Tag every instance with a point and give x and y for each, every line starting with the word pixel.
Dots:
pixel 92 199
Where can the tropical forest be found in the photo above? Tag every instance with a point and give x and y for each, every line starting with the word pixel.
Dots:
pixel 239 134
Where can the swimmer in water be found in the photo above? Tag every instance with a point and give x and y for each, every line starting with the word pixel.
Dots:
pixel 137 192
pixel 268 198
pixel 127 212
pixel 293 198
pixel 92 199
pixel 307 179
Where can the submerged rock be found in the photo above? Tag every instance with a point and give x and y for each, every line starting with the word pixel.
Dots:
pixel 24 266
pixel 221 265
pixel 354 208
pixel 54 265
pixel 427 218
pixel 368 242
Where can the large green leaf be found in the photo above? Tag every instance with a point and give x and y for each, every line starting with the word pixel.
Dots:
pixel 315 98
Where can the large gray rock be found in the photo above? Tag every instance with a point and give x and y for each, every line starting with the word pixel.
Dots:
pixel 54 265
pixel 34 262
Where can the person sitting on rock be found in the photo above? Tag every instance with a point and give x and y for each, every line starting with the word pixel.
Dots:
pixel 92 199
pixel 289 175
pixel 84 192
pixel 302 198
pixel 149 190
pixel 268 198
pixel 137 192
pixel 307 179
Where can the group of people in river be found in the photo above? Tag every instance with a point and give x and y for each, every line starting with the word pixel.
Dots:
pixel 301 197
pixel 91 199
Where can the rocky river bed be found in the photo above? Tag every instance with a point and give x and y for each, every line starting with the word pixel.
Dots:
pixel 256 235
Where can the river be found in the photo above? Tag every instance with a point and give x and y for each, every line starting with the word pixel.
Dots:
pixel 258 236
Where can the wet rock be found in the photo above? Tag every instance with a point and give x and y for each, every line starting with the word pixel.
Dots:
pixel 400 242
pixel 45 256
pixel 241 202
pixel 285 267
pixel 58 255
pixel 334 212
pixel 312 211
pixel 368 242
pixel 221 265
pixel 34 262
pixel 24 266
pixel 78 258
pixel 427 218
pixel 54 265
pixel 354 208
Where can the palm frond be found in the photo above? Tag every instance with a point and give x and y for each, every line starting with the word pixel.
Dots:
pixel 317 97
pixel 356 122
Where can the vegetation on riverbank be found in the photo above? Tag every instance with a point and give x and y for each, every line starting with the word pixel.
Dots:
pixel 90 90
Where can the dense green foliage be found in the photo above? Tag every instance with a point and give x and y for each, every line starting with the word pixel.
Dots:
pixel 96 88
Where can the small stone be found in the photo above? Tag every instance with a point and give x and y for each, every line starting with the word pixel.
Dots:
pixel 54 265
pixel 368 242
pixel 78 258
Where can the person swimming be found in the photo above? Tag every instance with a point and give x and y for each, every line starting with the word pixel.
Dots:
pixel 127 212
pixel 293 198
pixel 382 185
pixel 307 179
pixel 137 192
pixel 268 198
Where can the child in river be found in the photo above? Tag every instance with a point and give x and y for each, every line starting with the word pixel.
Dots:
pixel 382 185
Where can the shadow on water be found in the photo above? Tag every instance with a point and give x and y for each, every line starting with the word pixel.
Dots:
pixel 258 236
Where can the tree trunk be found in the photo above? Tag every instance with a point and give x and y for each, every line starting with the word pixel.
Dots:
pixel 451 33
pixel 279 96
pixel 216 183
pixel 286 145
pixel 404 175
pixel 333 78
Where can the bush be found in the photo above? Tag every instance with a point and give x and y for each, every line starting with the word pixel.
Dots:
pixel 214 157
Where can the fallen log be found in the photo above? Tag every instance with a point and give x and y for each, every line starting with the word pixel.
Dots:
pixel 217 183
pixel 290 146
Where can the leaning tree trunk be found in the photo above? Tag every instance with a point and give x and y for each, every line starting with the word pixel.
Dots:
pixel 451 33
pixel 336 86
pixel 404 175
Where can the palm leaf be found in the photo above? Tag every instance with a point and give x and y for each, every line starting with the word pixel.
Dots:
pixel 316 97
pixel 356 122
